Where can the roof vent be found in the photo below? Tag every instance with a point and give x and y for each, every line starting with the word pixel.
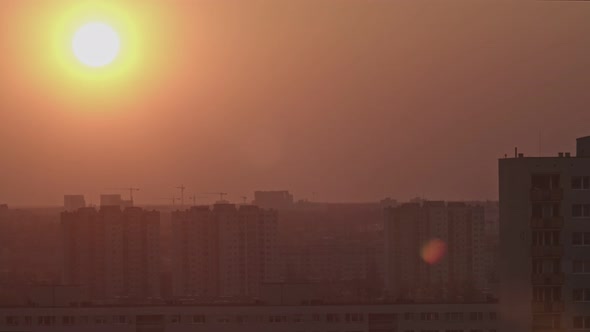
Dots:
pixel 567 154
pixel 560 154
pixel 520 155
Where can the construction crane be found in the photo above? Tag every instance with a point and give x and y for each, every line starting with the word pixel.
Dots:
pixel 131 190
pixel 218 193
pixel 182 188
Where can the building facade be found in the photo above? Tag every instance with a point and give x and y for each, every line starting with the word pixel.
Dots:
pixel 545 241
pixel 74 202
pixel 113 253
pixel 476 317
pixel 223 251
pixel 456 269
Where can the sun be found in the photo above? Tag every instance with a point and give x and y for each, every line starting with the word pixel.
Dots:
pixel 96 44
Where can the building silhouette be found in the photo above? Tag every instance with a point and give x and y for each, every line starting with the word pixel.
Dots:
pixel 545 241
pixel 456 271
pixel 74 202
pixel 113 253
pixel 223 251
pixel 279 199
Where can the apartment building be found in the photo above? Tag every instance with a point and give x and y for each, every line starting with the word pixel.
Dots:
pixel 545 241
pixel 458 269
pixel 475 317
pixel 113 253
pixel 223 251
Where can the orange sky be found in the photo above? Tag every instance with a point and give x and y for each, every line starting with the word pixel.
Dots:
pixel 355 100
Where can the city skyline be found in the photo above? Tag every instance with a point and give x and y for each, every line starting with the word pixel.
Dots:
pixel 294 166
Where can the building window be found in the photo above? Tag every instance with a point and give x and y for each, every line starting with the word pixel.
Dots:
pixel 429 316
pixel 581 322
pixel 454 316
pixel 581 238
pixel 581 295
pixel 11 320
pixel 545 210
pixel 546 322
pixel 581 210
pixel 46 320
pixel 277 319
pixel 581 266
pixel 545 181
pixel 541 266
pixel 476 315
pixel 545 238
pixel 580 182
pixel 67 320
pixel 544 294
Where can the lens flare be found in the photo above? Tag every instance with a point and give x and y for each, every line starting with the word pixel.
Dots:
pixel 433 251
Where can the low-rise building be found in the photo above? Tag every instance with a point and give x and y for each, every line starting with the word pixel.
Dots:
pixel 480 317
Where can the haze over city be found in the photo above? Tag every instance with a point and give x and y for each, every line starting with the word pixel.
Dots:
pixel 353 100
pixel 294 166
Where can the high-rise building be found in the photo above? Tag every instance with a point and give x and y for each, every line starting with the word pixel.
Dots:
pixel 114 200
pixel 74 202
pixel 433 250
pixel 545 241
pixel 225 251
pixel 113 253
pixel 279 199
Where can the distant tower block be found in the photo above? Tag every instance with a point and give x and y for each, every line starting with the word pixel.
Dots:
pixel 111 200
pixel 74 202
pixel 279 199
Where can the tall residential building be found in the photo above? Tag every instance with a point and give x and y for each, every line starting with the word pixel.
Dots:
pixel 451 233
pixel 545 241
pixel 226 251
pixel 279 199
pixel 74 202
pixel 115 200
pixel 113 253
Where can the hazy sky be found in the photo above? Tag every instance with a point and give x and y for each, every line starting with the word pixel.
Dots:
pixel 354 100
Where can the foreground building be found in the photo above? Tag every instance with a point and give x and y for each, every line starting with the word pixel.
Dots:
pixel 223 251
pixel 112 253
pixel 456 269
pixel 230 318
pixel 545 241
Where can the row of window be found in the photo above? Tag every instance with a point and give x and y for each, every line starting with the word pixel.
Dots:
pixel 551 181
pixel 202 319
pixel 546 294
pixel 581 322
pixel 545 238
pixel 581 182
pixel 540 266
pixel 581 266
pixel 581 295
pixel 548 210
pixel 549 238
pixel 456 330
pixel 450 316
pixel 581 238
